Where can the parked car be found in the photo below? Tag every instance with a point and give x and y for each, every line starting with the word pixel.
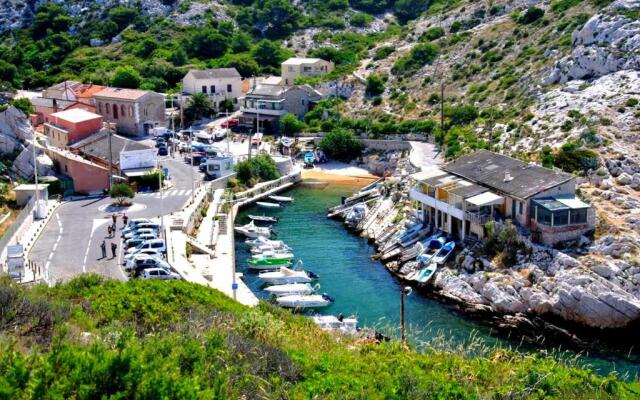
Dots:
pixel 157 244
pixel 137 270
pixel 142 225
pixel 133 222
pixel 133 243
pixel 149 252
pixel 159 273
pixel 143 259
pixel 230 123
pixel 163 151
pixel 144 238
pixel 141 231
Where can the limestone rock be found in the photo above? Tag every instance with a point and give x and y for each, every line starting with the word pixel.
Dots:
pixel 14 130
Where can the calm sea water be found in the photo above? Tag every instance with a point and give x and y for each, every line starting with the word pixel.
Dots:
pixel 364 288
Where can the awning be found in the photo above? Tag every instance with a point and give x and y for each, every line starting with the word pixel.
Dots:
pixel 485 199
pixel 133 172
pixel 572 202
pixel 428 173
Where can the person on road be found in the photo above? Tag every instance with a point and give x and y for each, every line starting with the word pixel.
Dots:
pixel 125 219
pixel 113 249
pixel 103 247
pixel 114 217
pixel 110 231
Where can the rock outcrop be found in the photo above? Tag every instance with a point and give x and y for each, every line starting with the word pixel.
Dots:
pixel 14 130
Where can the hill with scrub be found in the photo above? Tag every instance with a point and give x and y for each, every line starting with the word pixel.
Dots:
pixel 95 338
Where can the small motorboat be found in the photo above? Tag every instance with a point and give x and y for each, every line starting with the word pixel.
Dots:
pixel 250 230
pixel 432 247
pixel 266 204
pixel 263 218
pixel 268 263
pixel 291 289
pixel 304 301
pixel 444 253
pixel 281 254
pixel 284 199
pixel 264 241
pixel 332 323
pixel 425 274
pixel 265 248
pixel 286 275
pixel 356 214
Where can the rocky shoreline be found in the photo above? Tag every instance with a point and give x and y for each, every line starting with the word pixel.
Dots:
pixel 586 297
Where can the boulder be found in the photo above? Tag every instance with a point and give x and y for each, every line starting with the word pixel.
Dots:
pixel 501 300
pixel 624 179
pixel 453 286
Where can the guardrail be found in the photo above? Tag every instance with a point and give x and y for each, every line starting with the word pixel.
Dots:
pixel 13 233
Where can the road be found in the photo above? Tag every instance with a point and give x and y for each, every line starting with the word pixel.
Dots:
pixel 70 243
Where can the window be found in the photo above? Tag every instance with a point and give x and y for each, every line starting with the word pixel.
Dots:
pixel 579 216
pixel 131 111
pixel 107 108
pixel 560 217
pixel 100 108
pixel 291 68
pixel 212 89
pixel 204 89
pixel 122 111
pixel 229 88
pixel 544 215
pixel 520 210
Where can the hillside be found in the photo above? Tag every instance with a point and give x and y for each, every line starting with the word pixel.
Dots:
pixel 91 337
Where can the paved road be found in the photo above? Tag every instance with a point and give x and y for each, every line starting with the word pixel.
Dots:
pixel 70 243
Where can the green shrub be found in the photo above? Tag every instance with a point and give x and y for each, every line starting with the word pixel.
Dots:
pixel 421 55
pixel 431 34
pixel 374 86
pixel 257 169
pixel 341 144
pixel 360 19
pixel 631 102
pixel 383 52
pixel 563 5
pixel 121 192
pixel 530 16
pixel 461 115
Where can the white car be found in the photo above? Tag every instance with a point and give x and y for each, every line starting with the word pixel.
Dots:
pixel 144 238
pixel 140 232
pixel 159 273
pixel 150 252
pixel 141 225
pixel 133 222
pixel 157 244
pixel 146 260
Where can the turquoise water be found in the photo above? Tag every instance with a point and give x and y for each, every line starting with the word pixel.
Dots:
pixel 364 288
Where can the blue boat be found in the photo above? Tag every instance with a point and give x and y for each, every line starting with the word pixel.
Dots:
pixel 425 274
pixel 444 253
pixel 309 158
pixel 432 247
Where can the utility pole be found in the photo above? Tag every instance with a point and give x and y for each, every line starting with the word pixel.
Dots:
pixel 35 176
pixel 406 291
pixel 228 131
pixel 110 157
pixel 173 128
pixel 441 111
pixel 160 186
pixel 193 183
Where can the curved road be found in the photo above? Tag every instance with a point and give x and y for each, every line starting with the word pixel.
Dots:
pixel 70 243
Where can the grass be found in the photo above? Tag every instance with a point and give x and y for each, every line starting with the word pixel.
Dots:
pixel 93 338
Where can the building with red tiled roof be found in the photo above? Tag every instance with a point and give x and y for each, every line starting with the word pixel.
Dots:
pixel 133 111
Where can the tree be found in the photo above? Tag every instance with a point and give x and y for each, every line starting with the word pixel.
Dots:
pixel 126 77
pixel 267 52
pixel 341 144
pixel 121 192
pixel 23 104
pixel 531 15
pixel 123 16
pixel 240 42
pixel 178 57
pixel 226 105
pixel 199 106
pixel 50 16
pixel 277 17
pixel 8 72
pixel 461 115
pixel 290 125
pixel 208 43
pixel 375 85
pixel 245 65
pixel 407 10
pixel 259 168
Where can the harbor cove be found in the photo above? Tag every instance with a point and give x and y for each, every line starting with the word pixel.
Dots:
pixel 363 288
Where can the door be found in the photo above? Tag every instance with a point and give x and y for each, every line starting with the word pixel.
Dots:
pixel 513 209
pixel 115 111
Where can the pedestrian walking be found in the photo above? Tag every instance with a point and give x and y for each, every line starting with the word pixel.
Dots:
pixel 113 249
pixel 113 228
pixel 114 217
pixel 125 219
pixel 103 247
pixel 110 231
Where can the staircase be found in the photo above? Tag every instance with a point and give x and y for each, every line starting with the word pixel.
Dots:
pixel 223 222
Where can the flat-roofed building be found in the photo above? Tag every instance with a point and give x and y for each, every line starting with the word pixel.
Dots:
pixel 69 126
pixel 299 66
pixel 133 111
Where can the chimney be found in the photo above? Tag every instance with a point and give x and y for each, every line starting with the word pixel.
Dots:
pixel 507 176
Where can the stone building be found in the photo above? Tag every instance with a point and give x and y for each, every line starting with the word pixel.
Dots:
pixel 133 111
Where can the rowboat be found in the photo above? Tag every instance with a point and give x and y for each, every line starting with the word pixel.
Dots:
pixel 432 247
pixel 266 204
pixel 304 301
pixel 425 274
pixel 263 218
pixel 444 253
pixel 284 199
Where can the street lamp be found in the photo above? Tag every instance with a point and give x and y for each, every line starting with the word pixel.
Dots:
pixel 35 176
pixel 406 291
pixel 193 184
pixel 159 167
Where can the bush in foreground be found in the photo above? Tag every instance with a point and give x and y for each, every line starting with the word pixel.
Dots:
pixel 151 339
pixel 341 145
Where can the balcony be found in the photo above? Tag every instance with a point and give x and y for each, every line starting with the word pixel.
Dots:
pixel 264 111
pixel 477 217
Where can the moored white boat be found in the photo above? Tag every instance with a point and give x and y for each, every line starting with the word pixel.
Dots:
pixel 285 199
pixel 286 275
pixel 304 301
pixel 264 241
pixel 266 204
pixel 273 254
pixel 267 248
pixel 291 289
pixel 263 218
pixel 332 323
pixel 356 214
pixel 252 231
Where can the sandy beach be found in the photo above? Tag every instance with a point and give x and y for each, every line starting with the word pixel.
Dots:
pixel 339 174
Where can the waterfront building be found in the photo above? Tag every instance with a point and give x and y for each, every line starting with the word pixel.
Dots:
pixel 462 196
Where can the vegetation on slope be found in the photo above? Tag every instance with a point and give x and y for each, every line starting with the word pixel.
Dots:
pixel 94 338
